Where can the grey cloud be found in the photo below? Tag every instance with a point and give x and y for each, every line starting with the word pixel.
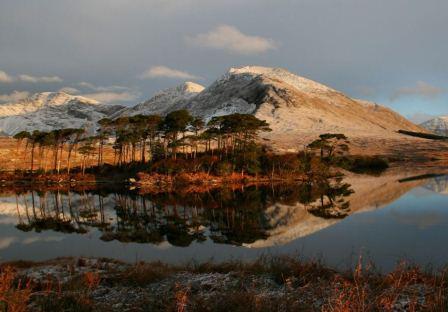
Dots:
pixel 419 118
pixel 91 86
pixel 69 90
pixel 112 97
pixel 382 44
pixel 421 89
pixel 43 79
pixel 5 78
pixel 109 94
pixel 87 85
pixel 14 96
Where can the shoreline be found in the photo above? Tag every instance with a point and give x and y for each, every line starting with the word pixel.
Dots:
pixel 142 179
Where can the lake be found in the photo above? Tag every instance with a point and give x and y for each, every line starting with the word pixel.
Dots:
pixel 385 219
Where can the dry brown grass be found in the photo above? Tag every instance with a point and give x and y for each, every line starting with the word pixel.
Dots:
pixel 300 286
pixel 12 158
pixel 14 293
pixel 92 280
pixel 142 273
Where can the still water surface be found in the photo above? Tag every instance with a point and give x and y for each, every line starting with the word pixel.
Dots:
pixel 385 219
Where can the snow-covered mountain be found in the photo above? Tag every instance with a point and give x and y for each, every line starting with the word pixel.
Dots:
pixel 438 125
pixel 52 110
pixel 297 109
pixel 164 101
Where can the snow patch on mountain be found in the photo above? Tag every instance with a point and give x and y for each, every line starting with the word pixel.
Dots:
pixel 39 101
pixel 164 101
pixel 300 83
pixel 438 125
pixel 52 110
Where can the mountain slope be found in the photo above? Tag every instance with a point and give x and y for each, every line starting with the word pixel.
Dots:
pixel 297 109
pixel 438 125
pixel 52 110
pixel 164 101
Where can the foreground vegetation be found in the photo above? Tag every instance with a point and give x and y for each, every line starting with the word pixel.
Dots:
pixel 268 284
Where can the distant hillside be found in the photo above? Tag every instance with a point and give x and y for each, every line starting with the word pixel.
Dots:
pixel 297 109
pixel 52 110
pixel 164 101
pixel 438 125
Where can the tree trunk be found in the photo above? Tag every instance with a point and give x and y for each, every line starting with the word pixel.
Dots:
pixel 68 159
pixel 32 156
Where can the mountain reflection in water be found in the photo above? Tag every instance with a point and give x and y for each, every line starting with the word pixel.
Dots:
pixel 390 217
pixel 237 217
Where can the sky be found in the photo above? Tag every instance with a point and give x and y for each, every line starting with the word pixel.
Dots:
pixel 394 52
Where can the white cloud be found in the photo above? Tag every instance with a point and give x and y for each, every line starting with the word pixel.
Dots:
pixel 111 88
pixel 231 39
pixel 421 89
pixel 112 97
pixel 166 72
pixel 44 79
pixel 86 85
pixel 419 118
pixel 109 94
pixel 69 90
pixel 91 86
pixel 4 77
pixel 14 96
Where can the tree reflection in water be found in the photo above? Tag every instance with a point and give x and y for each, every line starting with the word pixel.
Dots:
pixel 332 199
pixel 228 216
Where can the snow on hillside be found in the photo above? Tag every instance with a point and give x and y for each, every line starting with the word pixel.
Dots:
pixel 164 101
pixel 300 83
pixel 39 101
pixel 52 110
pixel 297 109
pixel 295 106
pixel 438 125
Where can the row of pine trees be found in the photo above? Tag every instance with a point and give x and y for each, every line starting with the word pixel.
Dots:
pixel 141 139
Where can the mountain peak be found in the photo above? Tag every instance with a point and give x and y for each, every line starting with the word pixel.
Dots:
pixel 192 87
pixel 164 100
pixel 300 83
pixel 185 89
pixel 438 125
pixel 50 110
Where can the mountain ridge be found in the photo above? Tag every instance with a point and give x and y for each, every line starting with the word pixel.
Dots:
pixel 52 110
pixel 163 100
pixel 437 125
pixel 298 109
